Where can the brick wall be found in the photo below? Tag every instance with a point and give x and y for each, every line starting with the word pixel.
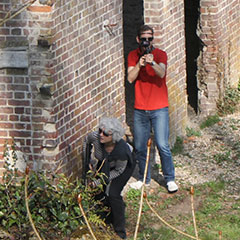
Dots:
pixel 167 19
pixel 88 71
pixel 22 104
pixel 219 63
pixel 74 76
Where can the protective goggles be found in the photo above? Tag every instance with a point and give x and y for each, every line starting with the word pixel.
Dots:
pixel 146 39
pixel 103 132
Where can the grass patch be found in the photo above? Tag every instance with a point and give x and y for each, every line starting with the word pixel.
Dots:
pixel 220 158
pixel 215 212
pixel 228 224
pixel 191 132
pixel 210 121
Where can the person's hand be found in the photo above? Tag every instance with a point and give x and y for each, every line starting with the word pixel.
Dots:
pixel 149 58
pixel 142 61
pixel 90 166
pixel 91 184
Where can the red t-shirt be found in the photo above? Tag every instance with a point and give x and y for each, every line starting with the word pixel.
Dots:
pixel 150 90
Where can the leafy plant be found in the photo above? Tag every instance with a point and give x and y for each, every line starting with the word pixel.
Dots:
pixel 222 157
pixel 157 166
pixel 230 101
pixel 191 132
pixel 133 196
pixel 52 200
pixel 210 121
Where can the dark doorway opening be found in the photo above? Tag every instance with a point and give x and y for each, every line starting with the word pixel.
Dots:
pixel 132 20
pixel 193 48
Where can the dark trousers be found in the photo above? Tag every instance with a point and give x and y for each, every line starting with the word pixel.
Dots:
pixel 116 203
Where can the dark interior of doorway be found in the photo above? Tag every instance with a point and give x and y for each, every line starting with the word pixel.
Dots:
pixel 132 20
pixel 193 48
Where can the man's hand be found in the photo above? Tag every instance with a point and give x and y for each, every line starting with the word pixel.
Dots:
pixel 134 71
pixel 148 58
pixel 142 61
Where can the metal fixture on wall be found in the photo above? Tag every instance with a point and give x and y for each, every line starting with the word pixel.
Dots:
pixel 109 27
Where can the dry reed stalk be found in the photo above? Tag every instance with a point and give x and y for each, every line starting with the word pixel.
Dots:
pixel 27 205
pixel 85 217
pixel 220 235
pixel 166 223
pixel 9 16
pixel 193 213
pixel 144 179
pixel 99 169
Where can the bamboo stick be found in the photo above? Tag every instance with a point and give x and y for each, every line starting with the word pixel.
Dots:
pixel 193 213
pixel 27 205
pixel 85 217
pixel 166 223
pixel 144 179
pixel 7 17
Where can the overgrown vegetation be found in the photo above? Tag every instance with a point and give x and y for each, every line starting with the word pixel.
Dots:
pixel 230 101
pixel 191 132
pixel 53 203
pixel 210 121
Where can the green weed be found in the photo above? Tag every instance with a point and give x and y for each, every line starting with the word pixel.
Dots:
pixel 52 200
pixel 236 205
pixel 133 198
pixel 222 157
pixel 210 121
pixel 191 132
pixel 157 166
pixel 230 101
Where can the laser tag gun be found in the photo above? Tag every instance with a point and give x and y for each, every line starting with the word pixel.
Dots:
pixel 86 161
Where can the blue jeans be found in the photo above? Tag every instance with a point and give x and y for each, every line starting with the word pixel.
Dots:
pixel 143 122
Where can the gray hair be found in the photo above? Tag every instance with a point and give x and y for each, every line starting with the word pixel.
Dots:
pixel 113 126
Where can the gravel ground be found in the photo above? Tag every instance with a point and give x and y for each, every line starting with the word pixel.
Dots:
pixel 213 155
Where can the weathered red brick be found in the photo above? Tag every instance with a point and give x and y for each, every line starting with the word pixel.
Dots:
pixel 22 134
pixel 40 9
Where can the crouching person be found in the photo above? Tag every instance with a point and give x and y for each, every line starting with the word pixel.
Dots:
pixel 111 155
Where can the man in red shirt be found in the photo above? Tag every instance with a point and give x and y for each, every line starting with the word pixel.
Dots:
pixel 147 68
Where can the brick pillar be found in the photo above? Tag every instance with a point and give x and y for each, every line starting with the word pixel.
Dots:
pixel 219 61
pixel 167 19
